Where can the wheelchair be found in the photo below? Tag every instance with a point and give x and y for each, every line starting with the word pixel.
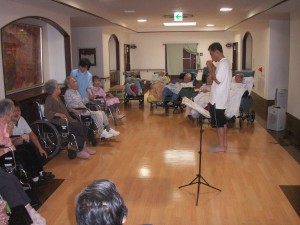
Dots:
pixel 128 97
pixel 53 137
pixel 9 165
pixel 177 106
pixel 99 104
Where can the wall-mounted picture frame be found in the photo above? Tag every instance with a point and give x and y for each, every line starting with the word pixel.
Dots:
pixel 22 57
pixel 88 53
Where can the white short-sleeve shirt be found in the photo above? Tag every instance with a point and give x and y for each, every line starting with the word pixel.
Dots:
pixel 220 92
pixel 21 127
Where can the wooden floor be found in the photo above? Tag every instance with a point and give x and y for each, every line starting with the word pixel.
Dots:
pixel 157 152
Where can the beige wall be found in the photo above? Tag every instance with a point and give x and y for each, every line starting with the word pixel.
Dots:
pixel 294 67
pixel 149 53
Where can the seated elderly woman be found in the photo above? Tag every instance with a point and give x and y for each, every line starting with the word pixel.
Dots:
pixel 158 82
pixel 73 100
pixel 238 89
pixel 202 99
pixel 56 112
pixel 10 188
pixel 110 101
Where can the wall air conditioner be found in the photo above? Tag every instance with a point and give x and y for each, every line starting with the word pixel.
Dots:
pixel 276 118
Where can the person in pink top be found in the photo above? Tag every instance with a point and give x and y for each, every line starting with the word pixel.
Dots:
pixel 6 111
pixel 111 101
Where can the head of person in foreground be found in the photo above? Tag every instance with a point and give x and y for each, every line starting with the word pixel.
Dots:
pixel 100 204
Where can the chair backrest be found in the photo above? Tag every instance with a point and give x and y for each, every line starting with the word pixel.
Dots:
pixel 181 76
pixel 41 109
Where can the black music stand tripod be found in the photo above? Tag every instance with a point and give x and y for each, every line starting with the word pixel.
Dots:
pixel 198 177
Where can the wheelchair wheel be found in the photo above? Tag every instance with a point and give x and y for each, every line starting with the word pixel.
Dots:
pixel 72 154
pixel 241 119
pixel 252 116
pixel 48 136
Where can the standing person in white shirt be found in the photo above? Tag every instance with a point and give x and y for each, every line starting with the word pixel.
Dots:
pixel 219 95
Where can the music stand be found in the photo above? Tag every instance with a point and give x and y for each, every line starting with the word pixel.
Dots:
pixel 197 180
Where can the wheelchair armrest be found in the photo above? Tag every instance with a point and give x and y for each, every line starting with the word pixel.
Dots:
pixel 10 148
pixel 80 108
pixel 13 136
pixel 74 116
pixel 97 97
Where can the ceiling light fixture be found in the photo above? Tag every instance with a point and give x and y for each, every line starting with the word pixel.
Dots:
pixel 142 20
pixel 129 11
pixel 210 25
pixel 180 24
pixel 225 9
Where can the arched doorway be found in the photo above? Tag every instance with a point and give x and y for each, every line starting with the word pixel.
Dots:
pixel 114 60
pixel 247 52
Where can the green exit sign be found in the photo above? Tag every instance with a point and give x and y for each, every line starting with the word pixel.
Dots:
pixel 178 16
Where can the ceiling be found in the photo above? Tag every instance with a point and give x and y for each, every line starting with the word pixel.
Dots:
pixel 85 13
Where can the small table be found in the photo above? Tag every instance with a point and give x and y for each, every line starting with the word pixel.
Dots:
pixel 118 91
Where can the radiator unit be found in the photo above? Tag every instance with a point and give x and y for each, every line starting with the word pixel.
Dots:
pixel 276 118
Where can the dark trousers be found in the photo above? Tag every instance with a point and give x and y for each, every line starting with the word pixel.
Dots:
pixel 12 191
pixel 80 131
pixel 27 155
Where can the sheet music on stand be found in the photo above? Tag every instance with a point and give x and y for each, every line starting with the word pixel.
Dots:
pixel 196 107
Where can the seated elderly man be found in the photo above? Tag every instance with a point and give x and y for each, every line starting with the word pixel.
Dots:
pixel 73 100
pixel 172 90
pixel 133 85
pixel 28 148
pixel 160 77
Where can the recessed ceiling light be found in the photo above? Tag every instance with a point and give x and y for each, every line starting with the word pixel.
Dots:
pixel 210 25
pixel 142 20
pixel 225 9
pixel 129 11
pixel 180 24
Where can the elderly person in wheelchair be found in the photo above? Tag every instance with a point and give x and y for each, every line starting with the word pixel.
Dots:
pixel 57 113
pixel 10 187
pixel 26 157
pixel 75 103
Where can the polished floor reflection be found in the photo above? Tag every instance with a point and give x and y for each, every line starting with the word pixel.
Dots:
pixel 157 152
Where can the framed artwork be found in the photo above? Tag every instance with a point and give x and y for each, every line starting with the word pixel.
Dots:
pixel 22 57
pixel 88 53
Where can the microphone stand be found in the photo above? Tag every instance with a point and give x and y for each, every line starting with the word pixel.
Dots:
pixel 197 179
